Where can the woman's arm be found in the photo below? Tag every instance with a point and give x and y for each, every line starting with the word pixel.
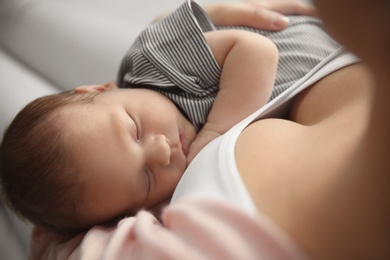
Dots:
pixel 248 61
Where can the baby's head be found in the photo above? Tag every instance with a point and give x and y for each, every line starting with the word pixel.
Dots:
pixel 37 172
pixel 89 156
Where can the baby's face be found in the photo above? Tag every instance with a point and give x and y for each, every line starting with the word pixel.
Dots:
pixel 130 147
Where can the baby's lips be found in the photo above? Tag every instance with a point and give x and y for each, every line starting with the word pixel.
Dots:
pixel 183 142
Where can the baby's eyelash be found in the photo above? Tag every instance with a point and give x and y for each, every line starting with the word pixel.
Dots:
pixel 137 128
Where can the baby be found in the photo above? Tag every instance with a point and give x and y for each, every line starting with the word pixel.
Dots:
pixel 99 152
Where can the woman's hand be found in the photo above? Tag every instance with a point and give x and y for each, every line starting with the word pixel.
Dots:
pixel 261 14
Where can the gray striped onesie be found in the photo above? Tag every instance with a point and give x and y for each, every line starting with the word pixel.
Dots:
pixel 173 58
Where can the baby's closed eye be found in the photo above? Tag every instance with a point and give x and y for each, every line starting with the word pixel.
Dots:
pixel 137 133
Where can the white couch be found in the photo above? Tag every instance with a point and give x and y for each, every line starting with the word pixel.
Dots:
pixel 47 46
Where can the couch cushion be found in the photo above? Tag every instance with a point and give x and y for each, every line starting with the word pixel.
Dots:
pixel 18 86
pixel 78 42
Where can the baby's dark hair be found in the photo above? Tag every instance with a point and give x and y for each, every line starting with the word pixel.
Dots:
pixel 37 175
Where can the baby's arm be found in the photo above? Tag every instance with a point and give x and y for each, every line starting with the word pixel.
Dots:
pixel 248 61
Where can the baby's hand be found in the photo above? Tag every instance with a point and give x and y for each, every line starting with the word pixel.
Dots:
pixel 204 137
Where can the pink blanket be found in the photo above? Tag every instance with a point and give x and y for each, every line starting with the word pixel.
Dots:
pixel 190 229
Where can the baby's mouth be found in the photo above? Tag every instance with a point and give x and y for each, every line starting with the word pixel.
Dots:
pixel 183 142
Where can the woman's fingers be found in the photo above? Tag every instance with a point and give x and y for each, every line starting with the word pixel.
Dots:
pixel 260 14
pixel 286 7
pixel 246 14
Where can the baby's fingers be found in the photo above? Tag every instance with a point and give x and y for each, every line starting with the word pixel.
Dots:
pixel 193 151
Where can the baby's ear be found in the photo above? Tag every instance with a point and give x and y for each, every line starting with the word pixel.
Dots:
pixel 95 88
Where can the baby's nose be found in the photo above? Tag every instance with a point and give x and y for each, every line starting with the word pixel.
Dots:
pixel 158 151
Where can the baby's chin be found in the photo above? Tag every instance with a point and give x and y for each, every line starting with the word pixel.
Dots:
pixel 157 209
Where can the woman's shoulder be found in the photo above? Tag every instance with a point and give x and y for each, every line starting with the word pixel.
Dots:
pixel 332 94
pixel 341 98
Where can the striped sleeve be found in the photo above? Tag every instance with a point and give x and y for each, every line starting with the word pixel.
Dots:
pixel 173 58
pixel 303 45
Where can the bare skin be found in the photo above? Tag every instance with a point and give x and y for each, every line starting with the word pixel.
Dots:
pixel 336 204
pixel 305 194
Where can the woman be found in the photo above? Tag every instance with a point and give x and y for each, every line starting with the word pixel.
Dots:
pixel 335 203
pixel 322 175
